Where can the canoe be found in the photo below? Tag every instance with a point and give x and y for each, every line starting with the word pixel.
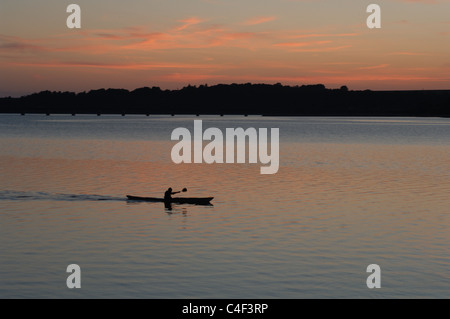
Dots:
pixel 175 200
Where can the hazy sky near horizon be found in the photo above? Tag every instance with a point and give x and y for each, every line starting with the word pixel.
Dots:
pixel 171 44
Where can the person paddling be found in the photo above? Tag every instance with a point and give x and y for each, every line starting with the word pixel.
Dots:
pixel 168 194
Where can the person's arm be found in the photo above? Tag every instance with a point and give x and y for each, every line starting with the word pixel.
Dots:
pixel 173 193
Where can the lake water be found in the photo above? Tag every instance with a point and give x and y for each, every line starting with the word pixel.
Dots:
pixel 350 192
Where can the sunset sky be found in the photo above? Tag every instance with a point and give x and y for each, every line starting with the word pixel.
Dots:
pixel 171 44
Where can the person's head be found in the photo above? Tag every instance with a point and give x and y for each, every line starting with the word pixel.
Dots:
pixel 170 189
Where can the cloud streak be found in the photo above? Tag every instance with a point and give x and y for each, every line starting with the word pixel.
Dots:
pixel 118 66
pixel 193 49
pixel 259 20
pixel 186 23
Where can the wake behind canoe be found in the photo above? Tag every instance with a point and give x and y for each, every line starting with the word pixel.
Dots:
pixel 175 200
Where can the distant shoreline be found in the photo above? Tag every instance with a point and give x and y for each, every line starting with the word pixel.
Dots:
pixel 221 115
pixel 236 99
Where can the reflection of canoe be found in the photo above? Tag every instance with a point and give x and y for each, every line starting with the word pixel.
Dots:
pixel 175 200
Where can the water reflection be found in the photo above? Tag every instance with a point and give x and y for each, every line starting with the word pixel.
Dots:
pixel 339 203
pixel 172 209
pixel 169 208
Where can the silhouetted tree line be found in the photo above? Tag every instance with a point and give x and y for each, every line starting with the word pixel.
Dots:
pixel 236 99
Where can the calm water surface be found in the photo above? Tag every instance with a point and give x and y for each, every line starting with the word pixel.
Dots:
pixel 350 192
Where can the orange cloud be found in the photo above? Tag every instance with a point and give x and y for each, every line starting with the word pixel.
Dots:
pixel 300 44
pixel 423 1
pixel 130 66
pixel 187 23
pixel 182 37
pixel 190 78
pixel 259 20
pixel 381 66
pixel 406 53
pixel 11 43
pixel 321 35
pixel 194 50
pixel 326 49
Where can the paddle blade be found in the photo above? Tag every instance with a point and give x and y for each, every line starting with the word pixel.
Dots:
pixel 184 190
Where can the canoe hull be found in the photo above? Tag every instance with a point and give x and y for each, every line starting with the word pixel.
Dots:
pixel 175 200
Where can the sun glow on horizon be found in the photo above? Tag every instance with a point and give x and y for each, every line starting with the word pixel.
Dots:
pixel 292 42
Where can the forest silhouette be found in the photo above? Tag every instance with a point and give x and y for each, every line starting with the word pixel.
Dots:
pixel 245 99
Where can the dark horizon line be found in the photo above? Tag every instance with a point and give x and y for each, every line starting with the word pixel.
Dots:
pixel 220 84
pixel 249 99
